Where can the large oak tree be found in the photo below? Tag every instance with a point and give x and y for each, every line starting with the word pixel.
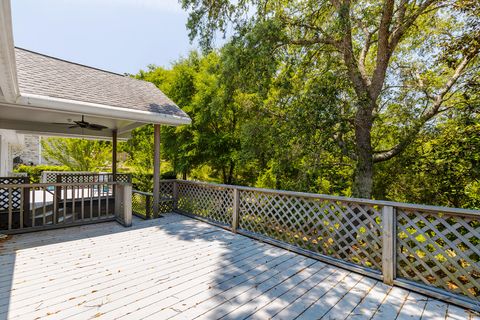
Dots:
pixel 408 57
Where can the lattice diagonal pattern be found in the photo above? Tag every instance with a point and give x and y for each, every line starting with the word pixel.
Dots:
pixel 440 250
pixel 343 230
pixel 16 192
pixel 166 204
pixel 212 202
pixel 142 204
pixel 166 189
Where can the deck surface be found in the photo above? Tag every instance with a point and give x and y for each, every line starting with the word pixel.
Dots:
pixel 179 268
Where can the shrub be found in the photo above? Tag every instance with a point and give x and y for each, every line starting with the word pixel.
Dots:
pixel 34 172
pixel 144 181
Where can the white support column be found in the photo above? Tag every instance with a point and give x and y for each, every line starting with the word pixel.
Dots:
pixel 156 170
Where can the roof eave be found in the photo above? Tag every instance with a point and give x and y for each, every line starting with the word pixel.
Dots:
pixel 100 110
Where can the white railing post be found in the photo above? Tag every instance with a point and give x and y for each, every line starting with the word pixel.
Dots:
pixel 236 209
pixel 389 247
pixel 123 204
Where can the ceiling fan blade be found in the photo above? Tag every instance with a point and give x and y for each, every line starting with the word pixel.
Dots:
pixel 82 123
pixel 94 126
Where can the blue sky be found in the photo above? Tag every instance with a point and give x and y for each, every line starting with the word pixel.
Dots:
pixel 116 35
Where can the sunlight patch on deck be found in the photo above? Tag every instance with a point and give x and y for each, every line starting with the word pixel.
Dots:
pixel 179 268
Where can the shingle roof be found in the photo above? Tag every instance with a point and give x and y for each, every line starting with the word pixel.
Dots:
pixel 47 76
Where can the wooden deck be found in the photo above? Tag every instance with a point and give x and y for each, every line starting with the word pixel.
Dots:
pixel 180 268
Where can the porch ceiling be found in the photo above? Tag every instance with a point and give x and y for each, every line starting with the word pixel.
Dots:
pixel 31 120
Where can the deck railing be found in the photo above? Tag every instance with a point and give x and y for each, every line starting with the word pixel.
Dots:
pixel 85 176
pixel 142 202
pixel 28 207
pixel 433 250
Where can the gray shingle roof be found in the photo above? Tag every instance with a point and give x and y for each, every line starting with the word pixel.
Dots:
pixel 47 76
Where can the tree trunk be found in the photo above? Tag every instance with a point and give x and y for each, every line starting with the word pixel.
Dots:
pixel 363 175
pixel 230 172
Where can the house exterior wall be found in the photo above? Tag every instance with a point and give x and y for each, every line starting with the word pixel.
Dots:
pixel 4 163
pixel 27 147
pixel 7 140
pixel 30 153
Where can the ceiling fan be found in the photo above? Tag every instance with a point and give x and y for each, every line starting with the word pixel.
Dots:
pixel 84 125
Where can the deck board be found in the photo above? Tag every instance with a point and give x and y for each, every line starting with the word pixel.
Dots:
pixel 180 268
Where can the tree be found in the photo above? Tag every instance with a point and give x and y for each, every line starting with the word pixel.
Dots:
pixel 78 154
pixel 406 61
pixel 195 85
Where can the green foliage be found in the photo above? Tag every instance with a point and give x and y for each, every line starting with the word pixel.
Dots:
pixel 140 149
pixel 144 181
pixel 311 96
pixel 341 86
pixel 35 172
pixel 441 168
pixel 78 154
pixel 195 84
pixel 297 133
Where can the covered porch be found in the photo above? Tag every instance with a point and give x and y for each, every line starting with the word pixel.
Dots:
pixel 47 96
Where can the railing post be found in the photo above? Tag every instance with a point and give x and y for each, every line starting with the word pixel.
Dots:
pixel 236 209
pixel 123 204
pixel 175 195
pixel 389 247
pixel 148 207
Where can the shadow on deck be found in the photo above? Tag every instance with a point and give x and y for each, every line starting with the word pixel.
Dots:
pixel 177 267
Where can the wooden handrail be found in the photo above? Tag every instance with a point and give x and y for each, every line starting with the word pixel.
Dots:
pixel 403 205
pixel 42 185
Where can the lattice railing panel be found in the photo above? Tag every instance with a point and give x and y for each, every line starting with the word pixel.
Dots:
pixel 166 189
pixel 166 204
pixel 90 177
pixel 440 250
pixel 16 196
pixel 343 230
pixel 124 177
pixel 142 204
pixel 51 176
pixel 77 178
pixel 212 202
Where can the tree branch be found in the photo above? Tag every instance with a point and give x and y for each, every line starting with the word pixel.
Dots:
pixel 384 50
pixel 359 83
pixel 431 112
pixel 312 41
pixel 325 38
pixel 406 23
pixel 363 56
